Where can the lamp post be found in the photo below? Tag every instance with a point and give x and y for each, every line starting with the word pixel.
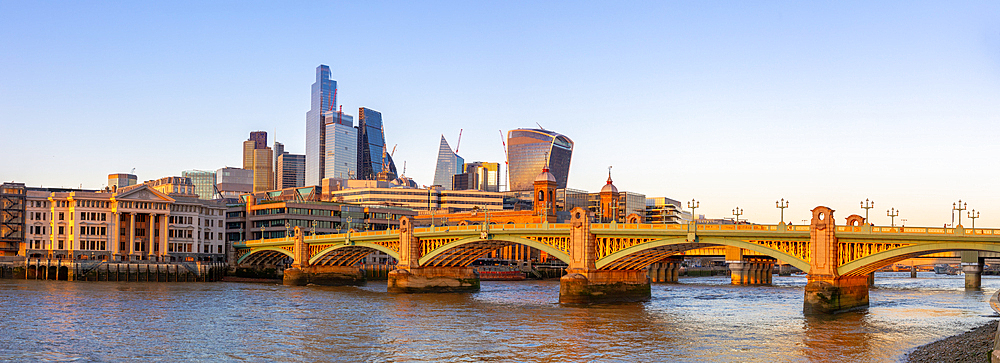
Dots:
pixel 782 204
pixel 973 215
pixel 866 205
pixel 959 207
pixel 892 213
pixel 314 223
pixel 693 204
pixel 286 230
pixel 262 230
pixel 737 212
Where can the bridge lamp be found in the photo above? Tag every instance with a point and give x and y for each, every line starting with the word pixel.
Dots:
pixel 782 204
pixel 973 215
pixel 693 204
pixel 314 223
pixel 737 212
pixel 892 213
pixel 866 205
pixel 262 230
pixel 286 229
pixel 959 207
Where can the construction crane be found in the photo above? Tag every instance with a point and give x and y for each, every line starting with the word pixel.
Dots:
pixel 506 163
pixel 459 143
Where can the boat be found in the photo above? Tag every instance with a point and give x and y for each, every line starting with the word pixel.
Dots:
pixel 945 269
pixel 500 273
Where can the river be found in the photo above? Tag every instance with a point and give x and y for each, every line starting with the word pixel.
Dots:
pixel 699 319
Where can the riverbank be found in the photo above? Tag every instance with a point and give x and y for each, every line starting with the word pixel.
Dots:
pixel 971 346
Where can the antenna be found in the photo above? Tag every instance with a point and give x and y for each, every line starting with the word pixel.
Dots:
pixel 133 171
pixel 459 143
pixel 539 126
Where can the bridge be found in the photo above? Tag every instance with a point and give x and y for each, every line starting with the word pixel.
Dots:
pixel 612 262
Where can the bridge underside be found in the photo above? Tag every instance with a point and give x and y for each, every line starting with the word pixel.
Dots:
pixel 642 259
pixel 265 258
pixel 344 256
pixel 464 254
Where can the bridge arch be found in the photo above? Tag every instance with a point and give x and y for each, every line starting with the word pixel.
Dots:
pixel 870 263
pixel 264 255
pixel 353 249
pixel 473 248
pixel 668 246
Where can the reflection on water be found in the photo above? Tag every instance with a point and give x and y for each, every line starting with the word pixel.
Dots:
pixel 700 319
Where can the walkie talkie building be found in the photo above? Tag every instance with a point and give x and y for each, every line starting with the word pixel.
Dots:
pixel 528 151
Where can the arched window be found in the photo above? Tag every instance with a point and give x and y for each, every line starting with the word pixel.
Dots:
pixel 541 195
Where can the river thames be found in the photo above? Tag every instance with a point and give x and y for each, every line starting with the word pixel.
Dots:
pixel 699 319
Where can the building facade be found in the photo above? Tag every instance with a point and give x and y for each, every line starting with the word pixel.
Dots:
pixel 233 182
pixel 530 150
pixel 323 98
pixel 121 180
pixel 435 199
pixel 341 160
pixel 138 223
pixel 291 171
pixel 448 164
pixel 204 183
pixel 373 158
pixel 478 176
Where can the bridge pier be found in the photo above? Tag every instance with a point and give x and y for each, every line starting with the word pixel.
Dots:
pixel 748 270
pixel 584 283
pixel 324 276
pixel 972 267
pixel 664 271
pixel 826 291
pixel 433 279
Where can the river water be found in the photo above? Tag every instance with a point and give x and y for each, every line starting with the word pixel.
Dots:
pixel 700 319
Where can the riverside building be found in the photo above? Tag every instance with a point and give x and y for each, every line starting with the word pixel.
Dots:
pixel 135 223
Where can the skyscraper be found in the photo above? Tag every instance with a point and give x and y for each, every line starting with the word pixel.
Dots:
pixel 291 171
pixel 341 159
pixel 371 145
pixel 478 176
pixel 322 99
pixel 530 150
pixel 448 164
pixel 260 159
pixel 278 149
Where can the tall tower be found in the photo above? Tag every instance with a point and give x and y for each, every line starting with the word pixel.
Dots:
pixel 371 145
pixel 448 164
pixel 259 158
pixel 609 201
pixel 545 193
pixel 531 150
pixel 322 99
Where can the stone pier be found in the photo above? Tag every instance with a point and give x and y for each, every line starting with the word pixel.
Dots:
pixel 826 291
pixel 324 276
pixel 665 271
pixel 972 267
pixel 584 283
pixel 410 277
pixel 749 270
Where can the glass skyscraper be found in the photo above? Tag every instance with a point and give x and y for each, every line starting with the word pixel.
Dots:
pixel 341 146
pixel 323 99
pixel 529 150
pixel 371 145
pixel 448 164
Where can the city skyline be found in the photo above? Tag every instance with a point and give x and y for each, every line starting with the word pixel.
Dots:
pixel 820 104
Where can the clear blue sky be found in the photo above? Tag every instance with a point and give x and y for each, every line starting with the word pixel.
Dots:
pixel 734 104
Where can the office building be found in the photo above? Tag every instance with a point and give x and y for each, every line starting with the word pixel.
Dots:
pixel 204 183
pixel 323 98
pixel 478 176
pixel 233 182
pixel 660 210
pixel 291 171
pixel 133 223
pixel 121 180
pixel 341 160
pixel 277 149
pixel 530 150
pixel 259 158
pixel 449 164
pixel 372 158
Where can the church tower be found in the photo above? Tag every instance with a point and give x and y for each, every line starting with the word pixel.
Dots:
pixel 609 201
pixel 545 194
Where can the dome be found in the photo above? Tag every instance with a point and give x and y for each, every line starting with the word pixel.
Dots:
pixel 545 175
pixel 609 188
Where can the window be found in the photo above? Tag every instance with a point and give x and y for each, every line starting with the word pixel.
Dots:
pixel 61 216
pixel 61 231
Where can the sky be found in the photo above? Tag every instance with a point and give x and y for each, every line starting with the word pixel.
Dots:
pixel 730 104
